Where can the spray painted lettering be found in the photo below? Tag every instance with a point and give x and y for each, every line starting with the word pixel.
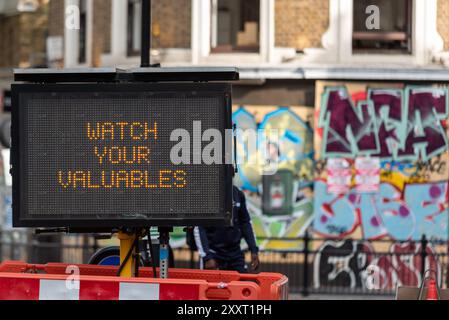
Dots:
pixel 394 124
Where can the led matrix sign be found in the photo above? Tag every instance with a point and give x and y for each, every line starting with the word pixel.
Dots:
pixel 99 155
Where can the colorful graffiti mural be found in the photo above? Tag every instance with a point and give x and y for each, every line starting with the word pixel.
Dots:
pixel 400 214
pixel 280 204
pixel 349 263
pixel 404 128
pixel 396 124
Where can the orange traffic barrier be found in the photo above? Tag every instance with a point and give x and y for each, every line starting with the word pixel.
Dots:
pixel 20 280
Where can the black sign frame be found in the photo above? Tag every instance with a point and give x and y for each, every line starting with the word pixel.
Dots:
pixel 225 217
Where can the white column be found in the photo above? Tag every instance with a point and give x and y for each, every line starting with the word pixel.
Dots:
pixel 89 32
pixel 427 40
pixel 213 23
pixel 119 29
pixel 201 30
pixel 330 39
pixel 195 32
pixel 205 27
pixel 345 8
pixel 71 37
pixel 267 30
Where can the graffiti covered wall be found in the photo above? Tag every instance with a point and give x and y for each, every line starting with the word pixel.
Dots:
pixel 381 154
pixel 347 263
pixel 381 172
pixel 378 162
pixel 281 205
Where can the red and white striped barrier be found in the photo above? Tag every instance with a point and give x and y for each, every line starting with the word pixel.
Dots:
pixel 33 287
pixel 53 281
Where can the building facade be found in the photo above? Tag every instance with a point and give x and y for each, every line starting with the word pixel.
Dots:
pixel 358 90
pixel 290 54
pixel 258 32
pixel 271 41
pixel 23 31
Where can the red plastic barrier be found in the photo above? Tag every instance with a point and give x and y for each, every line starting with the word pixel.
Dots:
pixel 20 280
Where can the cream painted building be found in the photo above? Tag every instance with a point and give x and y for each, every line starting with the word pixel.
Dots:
pixel 267 33
pixel 269 40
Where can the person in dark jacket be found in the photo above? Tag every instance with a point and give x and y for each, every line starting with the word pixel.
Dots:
pixel 219 247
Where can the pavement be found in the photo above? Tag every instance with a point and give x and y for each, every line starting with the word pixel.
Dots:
pixel 295 296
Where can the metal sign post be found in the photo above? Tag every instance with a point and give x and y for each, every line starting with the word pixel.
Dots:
pixel 126 245
pixel 145 54
pixel 126 240
pixel 146 34
pixel 164 239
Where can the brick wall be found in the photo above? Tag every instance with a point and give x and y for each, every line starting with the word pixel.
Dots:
pixel 56 18
pixel 9 46
pixel 101 30
pixel 301 23
pixel 443 22
pixel 23 38
pixel 33 35
pixel 171 23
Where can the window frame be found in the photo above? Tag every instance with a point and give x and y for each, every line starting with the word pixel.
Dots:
pixel 214 47
pixel 131 31
pixel 337 40
pixel 387 35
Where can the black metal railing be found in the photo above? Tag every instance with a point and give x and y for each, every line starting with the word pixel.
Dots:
pixel 348 266
pixel 25 246
pixel 314 266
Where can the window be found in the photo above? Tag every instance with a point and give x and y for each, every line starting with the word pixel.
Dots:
pixel 82 46
pixel 235 25
pixel 134 27
pixel 394 32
